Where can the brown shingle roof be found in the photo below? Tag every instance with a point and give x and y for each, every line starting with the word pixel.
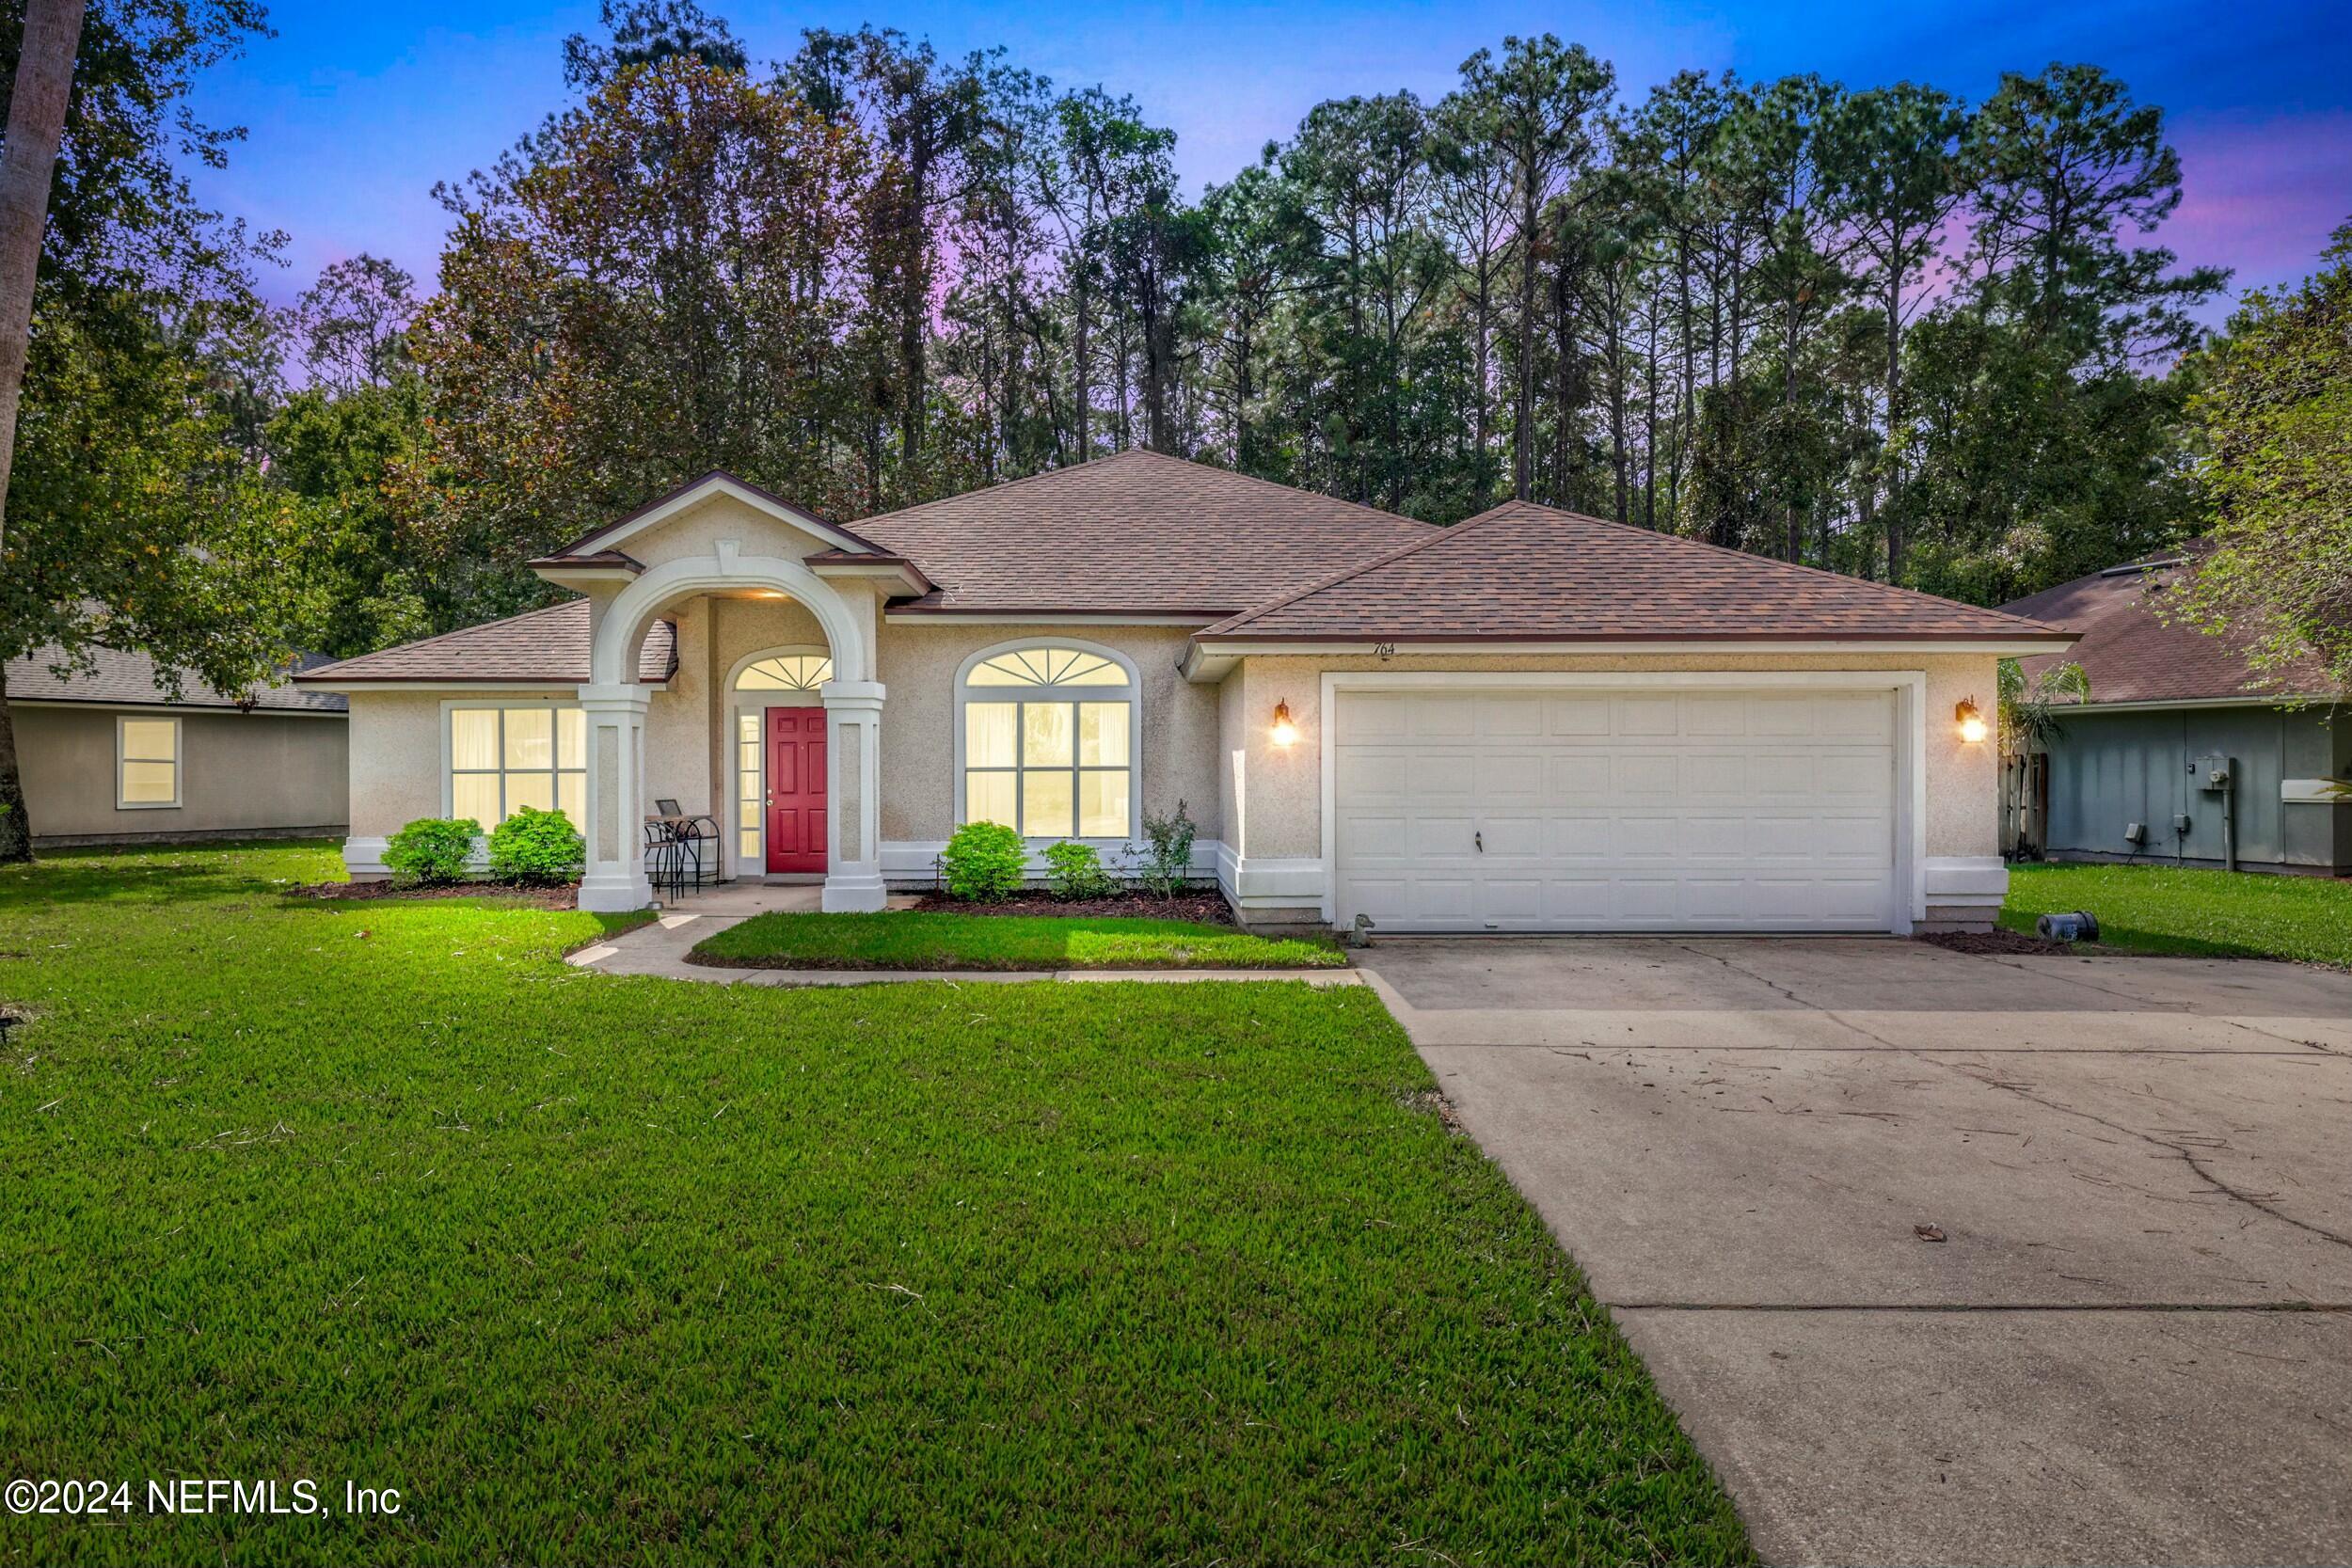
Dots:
pixel 1528 573
pixel 131 679
pixel 1136 533
pixel 540 646
pixel 2132 656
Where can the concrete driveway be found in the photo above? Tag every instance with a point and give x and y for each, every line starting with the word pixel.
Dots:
pixel 2133 1342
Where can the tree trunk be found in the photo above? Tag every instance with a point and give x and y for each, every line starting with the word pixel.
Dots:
pixel 1787 411
pixel 1523 405
pixel 1893 406
pixel 16 828
pixel 1082 385
pixel 1482 492
pixel 44 82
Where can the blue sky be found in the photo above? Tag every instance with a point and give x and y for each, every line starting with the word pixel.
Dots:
pixel 353 112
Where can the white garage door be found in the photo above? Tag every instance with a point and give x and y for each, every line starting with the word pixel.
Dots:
pixel 1586 810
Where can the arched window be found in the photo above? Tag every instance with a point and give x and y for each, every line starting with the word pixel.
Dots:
pixel 788 672
pixel 1047 741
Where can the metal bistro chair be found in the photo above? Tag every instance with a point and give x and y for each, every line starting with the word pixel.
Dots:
pixel 676 861
pixel 662 858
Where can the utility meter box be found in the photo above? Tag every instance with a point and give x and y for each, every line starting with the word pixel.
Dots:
pixel 2212 774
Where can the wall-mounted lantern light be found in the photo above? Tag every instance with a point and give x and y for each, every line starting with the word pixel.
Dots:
pixel 1971 722
pixel 1285 733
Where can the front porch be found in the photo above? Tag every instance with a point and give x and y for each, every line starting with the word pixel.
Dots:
pixel 768 723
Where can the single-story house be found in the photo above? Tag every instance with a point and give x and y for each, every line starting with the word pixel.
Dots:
pixel 1528 722
pixel 109 755
pixel 2184 754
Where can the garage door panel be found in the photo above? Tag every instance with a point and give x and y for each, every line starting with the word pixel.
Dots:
pixel 1644 775
pixel 1573 778
pixel 1437 774
pixel 1641 716
pixel 1509 718
pixel 1441 719
pixel 1715 774
pixel 1366 773
pixel 1578 837
pixel 1777 773
pixel 1431 837
pixel 1653 838
pixel 1649 900
pixel 1512 837
pixel 1854 717
pixel 1503 775
pixel 1780 717
pixel 1573 716
pixel 1366 716
pixel 1373 838
pixel 1604 810
pixel 1511 901
pixel 1714 716
pixel 1572 901
pixel 1709 837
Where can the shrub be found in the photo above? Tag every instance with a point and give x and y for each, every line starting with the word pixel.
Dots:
pixel 1166 865
pixel 1076 871
pixel 432 849
pixel 984 860
pixel 535 846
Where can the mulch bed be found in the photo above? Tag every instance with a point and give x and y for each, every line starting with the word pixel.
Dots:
pixel 1999 940
pixel 564 895
pixel 1207 908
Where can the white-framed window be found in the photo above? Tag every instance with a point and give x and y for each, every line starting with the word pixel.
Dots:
pixel 789 677
pixel 146 763
pixel 506 755
pixel 1047 741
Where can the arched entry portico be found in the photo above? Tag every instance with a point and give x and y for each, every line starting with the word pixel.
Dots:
pixel 616 707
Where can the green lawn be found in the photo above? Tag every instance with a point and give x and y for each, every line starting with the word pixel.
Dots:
pixel 594 1269
pixel 910 939
pixel 2229 914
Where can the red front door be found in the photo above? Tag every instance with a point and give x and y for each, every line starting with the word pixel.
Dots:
pixel 796 789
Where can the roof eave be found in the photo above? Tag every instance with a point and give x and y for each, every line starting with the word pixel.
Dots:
pixel 535 685
pixel 896 574
pixel 1212 653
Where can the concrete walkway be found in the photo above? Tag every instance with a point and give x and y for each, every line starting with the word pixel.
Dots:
pixel 661 947
pixel 1944 1257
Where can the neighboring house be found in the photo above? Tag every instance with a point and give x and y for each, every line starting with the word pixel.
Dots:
pixel 2129 776
pixel 109 756
pixel 1528 722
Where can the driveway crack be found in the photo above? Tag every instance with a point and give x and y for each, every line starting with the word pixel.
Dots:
pixel 2178 1151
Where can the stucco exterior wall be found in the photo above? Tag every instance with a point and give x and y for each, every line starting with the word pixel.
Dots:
pixel 262 773
pixel 1179 720
pixel 396 745
pixel 1281 815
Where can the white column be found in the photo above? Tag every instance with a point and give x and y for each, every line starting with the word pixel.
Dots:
pixel 615 878
pixel 853 878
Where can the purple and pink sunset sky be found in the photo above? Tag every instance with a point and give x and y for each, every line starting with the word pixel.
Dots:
pixel 354 111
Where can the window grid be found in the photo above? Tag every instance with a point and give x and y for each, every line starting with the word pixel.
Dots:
pixel 146 764
pixel 750 812
pixel 503 758
pixel 786 672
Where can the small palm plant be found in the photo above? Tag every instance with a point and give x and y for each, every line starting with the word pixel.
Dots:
pixel 2030 707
